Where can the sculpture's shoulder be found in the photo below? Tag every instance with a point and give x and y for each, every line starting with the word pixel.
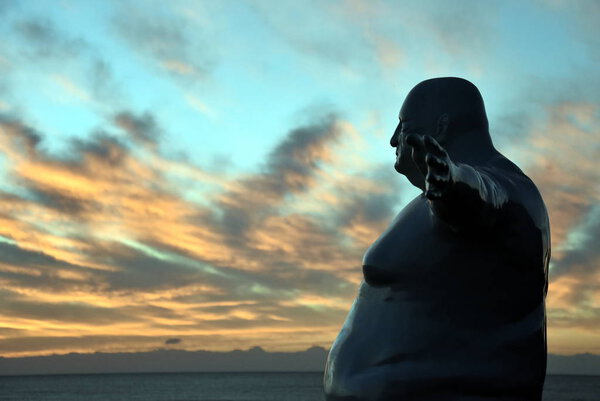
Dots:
pixel 520 188
pixel 526 214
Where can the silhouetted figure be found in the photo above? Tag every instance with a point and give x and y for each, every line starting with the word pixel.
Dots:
pixel 452 307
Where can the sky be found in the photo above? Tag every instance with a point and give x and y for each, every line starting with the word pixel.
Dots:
pixel 208 174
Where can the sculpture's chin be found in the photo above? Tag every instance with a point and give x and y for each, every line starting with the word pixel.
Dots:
pixel 413 175
pixel 401 166
pixel 397 167
pixel 417 180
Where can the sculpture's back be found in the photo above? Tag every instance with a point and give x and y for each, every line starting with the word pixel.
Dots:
pixel 452 306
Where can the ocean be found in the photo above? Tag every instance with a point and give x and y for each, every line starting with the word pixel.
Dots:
pixel 220 387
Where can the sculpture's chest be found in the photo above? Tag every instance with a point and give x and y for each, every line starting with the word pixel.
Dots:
pixel 415 243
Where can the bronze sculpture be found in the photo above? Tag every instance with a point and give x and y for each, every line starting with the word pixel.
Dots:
pixel 452 306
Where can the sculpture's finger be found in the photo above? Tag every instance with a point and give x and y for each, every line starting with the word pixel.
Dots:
pixel 436 184
pixel 416 141
pixel 433 194
pixel 418 158
pixel 436 163
pixel 434 147
pixel 418 151
pixel 437 180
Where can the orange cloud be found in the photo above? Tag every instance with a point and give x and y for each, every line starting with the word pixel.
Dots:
pixel 564 153
pixel 103 242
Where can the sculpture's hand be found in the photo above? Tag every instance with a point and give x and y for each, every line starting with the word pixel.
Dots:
pixel 433 161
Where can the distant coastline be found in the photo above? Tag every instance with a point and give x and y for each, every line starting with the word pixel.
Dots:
pixel 253 360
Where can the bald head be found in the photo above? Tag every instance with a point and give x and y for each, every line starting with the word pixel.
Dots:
pixel 450 110
pixel 456 98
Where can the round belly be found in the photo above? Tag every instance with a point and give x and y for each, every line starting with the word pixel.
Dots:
pixel 386 334
pixel 386 323
pixel 399 342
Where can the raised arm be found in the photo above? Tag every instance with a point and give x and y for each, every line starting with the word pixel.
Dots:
pixel 461 195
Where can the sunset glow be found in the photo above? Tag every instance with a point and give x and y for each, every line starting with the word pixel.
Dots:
pixel 213 171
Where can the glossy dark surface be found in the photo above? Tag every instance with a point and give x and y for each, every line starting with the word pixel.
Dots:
pixel 452 306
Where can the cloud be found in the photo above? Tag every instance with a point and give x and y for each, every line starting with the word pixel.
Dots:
pixel 563 156
pixel 45 40
pixel 112 230
pixel 349 41
pixel 80 313
pixel 70 63
pixel 200 106
pixel 585 26
pixel 462 28
pixel 359 39
pixel 170 44
pixel 581 255
pixel 142 128
pixel 18 137
pixel 71 88
pixel 103 236
pixel 289 169
pixel 366 206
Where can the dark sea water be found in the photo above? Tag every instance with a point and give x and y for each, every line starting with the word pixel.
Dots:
pixel 220 387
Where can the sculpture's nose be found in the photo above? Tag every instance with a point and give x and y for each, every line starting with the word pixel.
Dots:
pixel 394 139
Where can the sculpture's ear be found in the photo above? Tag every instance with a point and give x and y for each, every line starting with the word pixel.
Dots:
pixel 442 127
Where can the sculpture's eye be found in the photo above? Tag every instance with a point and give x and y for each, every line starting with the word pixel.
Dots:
pixel 404 130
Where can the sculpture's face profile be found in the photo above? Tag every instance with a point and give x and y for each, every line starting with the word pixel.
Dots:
pixel 451 111
pixel 411 121
pixel 404 164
